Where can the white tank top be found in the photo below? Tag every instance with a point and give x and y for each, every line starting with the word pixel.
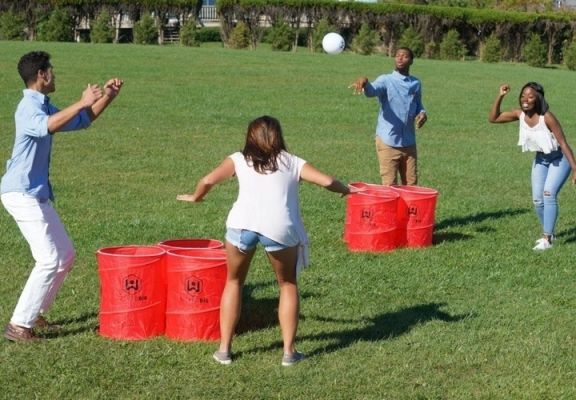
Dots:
pixel 269 203
pixel 536 138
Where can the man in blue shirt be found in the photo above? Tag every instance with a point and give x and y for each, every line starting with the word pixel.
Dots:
pixel 25 188
pixel 401 111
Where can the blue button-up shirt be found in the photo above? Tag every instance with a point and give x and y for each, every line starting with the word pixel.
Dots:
pixel 400 99
pixel 27 171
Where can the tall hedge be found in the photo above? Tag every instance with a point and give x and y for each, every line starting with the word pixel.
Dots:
pixel 57 28
pixel 431 23
pixel 12 25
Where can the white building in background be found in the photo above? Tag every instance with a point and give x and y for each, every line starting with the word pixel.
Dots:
pixel 124 25
pixel 565 3
pixel 208 15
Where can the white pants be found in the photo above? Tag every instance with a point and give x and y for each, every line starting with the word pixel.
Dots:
pixel 51 248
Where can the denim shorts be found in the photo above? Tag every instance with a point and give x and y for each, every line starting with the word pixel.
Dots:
pixel 246 240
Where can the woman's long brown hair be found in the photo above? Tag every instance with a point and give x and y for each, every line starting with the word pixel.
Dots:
pixel 264 142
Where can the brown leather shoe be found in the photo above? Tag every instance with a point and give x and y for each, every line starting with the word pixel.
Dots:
pixel 20 334
pixel 42 325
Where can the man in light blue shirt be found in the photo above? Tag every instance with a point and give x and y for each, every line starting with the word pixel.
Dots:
pixel 25 189
pixel 401 112
pixel 27 169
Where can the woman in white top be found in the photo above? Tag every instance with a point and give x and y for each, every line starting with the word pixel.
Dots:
pixel 540 132
pixel 266 211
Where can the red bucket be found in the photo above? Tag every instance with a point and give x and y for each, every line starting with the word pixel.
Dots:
pixel 416 215
pixel 372 188
pixel 419 237
pixel 373 241
pixel 371 218
pixel 132 293
pixel 195 280
pixel 175 244
pixel 190 243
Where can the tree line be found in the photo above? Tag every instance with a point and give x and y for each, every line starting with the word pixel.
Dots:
pixel 427 24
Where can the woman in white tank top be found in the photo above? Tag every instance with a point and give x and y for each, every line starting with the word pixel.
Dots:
pixel 541 133
pixel 267 211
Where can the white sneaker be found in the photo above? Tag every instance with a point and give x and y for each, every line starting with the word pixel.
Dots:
pixel 542 244
pixel 290 359
pixel 222 357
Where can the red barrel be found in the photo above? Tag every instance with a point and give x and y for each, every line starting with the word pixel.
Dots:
pixel 174 244
pixel 190 243
pixel 372 188
pixel 370 222
pixel 416 215
pixel 132 292
pixel 195 280
pixel 372 241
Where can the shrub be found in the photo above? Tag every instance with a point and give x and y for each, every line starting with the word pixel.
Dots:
pixel 145 30
pixel 492 50
pixel 570 56
pixel 102 31
pixel 205 35
pixel 281 37
pixel 12 26
pixel 451 48
pixel 431 50
pixel 535 51
pixel 239 37
pixel 57 28
pixel 413 40
pixel 365 41
pixel 189 34
pixel 320 30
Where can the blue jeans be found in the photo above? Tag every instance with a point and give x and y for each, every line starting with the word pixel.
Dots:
pixel 549 172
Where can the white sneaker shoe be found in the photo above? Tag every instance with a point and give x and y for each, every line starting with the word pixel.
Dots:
pixel 542 244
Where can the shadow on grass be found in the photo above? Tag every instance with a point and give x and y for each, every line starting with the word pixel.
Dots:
pixel 381 327
pixel 256 313
pixel 569 235
pixel 479 217
pixel 259 313
pixel 85 321
pixel 449 237
pixel 440 237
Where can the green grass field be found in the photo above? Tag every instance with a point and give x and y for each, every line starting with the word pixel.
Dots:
pixel 479 315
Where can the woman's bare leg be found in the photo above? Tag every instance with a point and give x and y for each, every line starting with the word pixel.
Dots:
pixel 284 265
pixel 231 302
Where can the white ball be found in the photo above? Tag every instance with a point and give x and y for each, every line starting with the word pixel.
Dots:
pixel 333 43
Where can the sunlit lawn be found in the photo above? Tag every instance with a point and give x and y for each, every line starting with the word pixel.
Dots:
pixel 477 315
